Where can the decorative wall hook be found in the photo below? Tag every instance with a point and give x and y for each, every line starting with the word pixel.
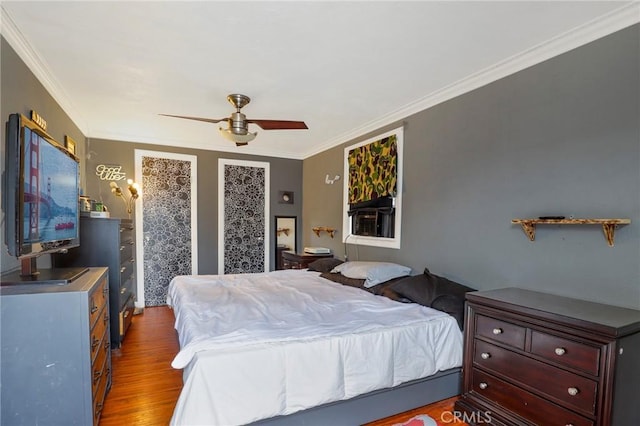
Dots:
pixel 330 181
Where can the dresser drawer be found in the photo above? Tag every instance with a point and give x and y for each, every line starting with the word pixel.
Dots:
pixel 97 300
pixel 126 230
pixel 98 333
pixel 500 331
pixel 531 407
pixel 126 291
pixel 566 352
pixel 286 264
pixel 568 389
pixel 126 250
pixel 126 269
pixel 98 367
pixel 100 394
pixel 126 315
pixel 292 260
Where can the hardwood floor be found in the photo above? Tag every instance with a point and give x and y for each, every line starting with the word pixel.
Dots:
pixel 145 388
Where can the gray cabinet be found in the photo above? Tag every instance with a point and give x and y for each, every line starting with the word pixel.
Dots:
pixel 109 242
pixel 55 366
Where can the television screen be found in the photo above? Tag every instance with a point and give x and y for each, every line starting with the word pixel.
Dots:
pixel 40 191
pixel 50 180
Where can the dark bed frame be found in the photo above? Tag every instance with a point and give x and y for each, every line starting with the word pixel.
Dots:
pixel 377 404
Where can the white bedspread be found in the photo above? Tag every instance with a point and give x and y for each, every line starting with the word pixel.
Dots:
pixel 259 345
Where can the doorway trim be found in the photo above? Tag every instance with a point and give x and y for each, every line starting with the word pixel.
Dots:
pixel 138 155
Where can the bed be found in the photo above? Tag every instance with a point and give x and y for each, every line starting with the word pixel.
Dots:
pixel 293 347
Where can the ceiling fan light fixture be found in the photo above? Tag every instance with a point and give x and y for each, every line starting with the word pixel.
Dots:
pixel 236 137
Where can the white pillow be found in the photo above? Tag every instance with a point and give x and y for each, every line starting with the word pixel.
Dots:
pixel 373 273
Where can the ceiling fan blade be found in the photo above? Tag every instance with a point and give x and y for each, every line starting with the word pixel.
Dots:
pixel 278 124
pixel 208 120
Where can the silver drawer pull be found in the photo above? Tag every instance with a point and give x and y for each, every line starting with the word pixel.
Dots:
pixel 122 269
pixel 121 248
pixel 573 391
pixel 483 385
pixel 485 355
pixel 560 351
pixel 497 331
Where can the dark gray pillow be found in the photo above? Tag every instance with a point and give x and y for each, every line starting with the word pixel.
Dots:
pixel 337 277
pixel 453 305
pixel 427 289
pixel 324 265
pixel 393 295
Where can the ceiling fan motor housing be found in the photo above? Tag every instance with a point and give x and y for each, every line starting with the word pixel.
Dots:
pixel 238 124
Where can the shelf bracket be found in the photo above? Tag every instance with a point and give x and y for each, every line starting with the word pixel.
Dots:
pixel 609 230
pixel 529 230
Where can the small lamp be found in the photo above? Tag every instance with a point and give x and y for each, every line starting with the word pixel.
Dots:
pixel 133 194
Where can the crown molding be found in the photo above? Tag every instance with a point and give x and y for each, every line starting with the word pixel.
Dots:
pixel 602 26
pixel 39 68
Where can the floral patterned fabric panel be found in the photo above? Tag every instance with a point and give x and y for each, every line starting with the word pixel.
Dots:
pixel 166 225
pixel 244 219
pixel 373 170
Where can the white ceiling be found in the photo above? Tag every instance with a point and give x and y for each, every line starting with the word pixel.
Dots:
pixel 345 68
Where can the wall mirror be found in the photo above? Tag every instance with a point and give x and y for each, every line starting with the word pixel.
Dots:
pixel 285 236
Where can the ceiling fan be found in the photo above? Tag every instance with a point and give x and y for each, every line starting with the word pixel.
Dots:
pixel 238 123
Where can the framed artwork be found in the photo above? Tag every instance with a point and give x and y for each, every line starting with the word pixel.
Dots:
pixel 70 144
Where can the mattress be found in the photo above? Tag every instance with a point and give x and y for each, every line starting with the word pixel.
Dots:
pixel 254 346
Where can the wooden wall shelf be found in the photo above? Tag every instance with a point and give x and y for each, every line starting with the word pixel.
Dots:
pixel 319 229
pixel 608 225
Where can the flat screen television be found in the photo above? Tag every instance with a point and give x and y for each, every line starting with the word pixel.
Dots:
pixel 40 197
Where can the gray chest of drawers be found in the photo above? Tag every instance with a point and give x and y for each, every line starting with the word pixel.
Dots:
pixel 56 359
pixel 111 243
pixel 533 358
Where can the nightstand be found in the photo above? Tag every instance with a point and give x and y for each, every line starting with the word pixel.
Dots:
pixel 536 358
pixel 292 260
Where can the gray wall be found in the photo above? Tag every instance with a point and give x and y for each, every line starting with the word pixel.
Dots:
pixel 286 175
pixel 559 138
pixel 20 93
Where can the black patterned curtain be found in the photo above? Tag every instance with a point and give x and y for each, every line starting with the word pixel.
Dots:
pixel 373 170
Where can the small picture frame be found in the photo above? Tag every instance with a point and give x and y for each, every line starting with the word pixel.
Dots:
pixel 70 144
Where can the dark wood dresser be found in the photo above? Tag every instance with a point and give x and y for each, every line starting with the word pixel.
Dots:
pixel 535 358
pixel 293 260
